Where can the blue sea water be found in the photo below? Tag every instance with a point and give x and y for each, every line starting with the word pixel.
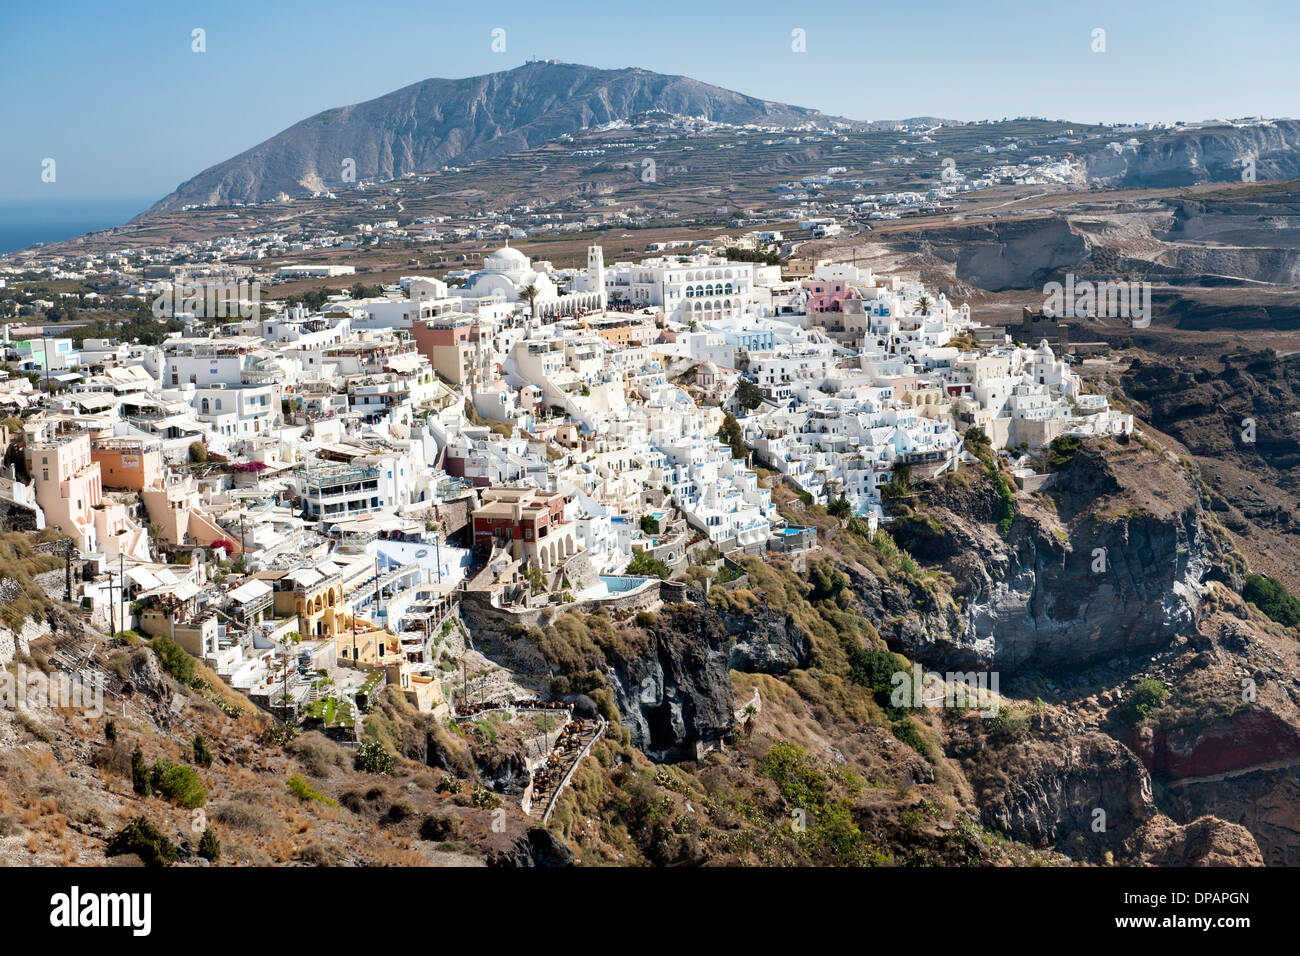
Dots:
pixel 24 222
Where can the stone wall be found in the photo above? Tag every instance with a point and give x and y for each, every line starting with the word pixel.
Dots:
pixel 16 517
pixel 480 616
pixel 13 643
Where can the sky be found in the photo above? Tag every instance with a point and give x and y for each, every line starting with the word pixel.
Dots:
pixel 115 94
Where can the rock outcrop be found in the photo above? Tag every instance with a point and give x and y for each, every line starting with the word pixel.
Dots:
pixel 537 847
pixel 1109 563
pixel 1088 791
pixel 678 693
pixel 669 680
pixel 766 642
pixel 1206 841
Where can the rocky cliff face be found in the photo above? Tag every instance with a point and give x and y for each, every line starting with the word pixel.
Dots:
pixel 1018 255
pixel 678 692
pixel 1108 563
pixel 1088 787
pixel 766 642
pixel 996 256
pixel 1185 157
pixel 1234 413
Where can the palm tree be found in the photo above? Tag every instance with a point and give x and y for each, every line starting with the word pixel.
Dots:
pixel 529 292
pixel 923 305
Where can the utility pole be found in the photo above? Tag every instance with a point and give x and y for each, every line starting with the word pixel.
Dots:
pixel 286 681
pixel 121 580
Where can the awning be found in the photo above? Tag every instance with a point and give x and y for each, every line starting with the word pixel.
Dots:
pixel 183 591
pixel 179 421
pixel 250 592
pixel 305 577
pixel 91 400
pixel 143 577
pixel 406 362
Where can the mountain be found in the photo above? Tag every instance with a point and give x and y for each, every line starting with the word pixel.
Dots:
pixel 438 122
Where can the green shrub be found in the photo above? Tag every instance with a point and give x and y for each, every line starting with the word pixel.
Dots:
pixel 143 839
pixel 876 669
pixel 174 660
pixel 301 789
pixel 1008 722
pixel 1062 449
pixel 202 756
pixel 642 565
pixel 178 783
pixel 373 758
pixel 198 452
pixel 906 731
pixel 140 778
pixel 209 846
pixel 1272 599
pixel 1146 699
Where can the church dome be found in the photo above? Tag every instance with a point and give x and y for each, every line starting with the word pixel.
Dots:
pixel 506 259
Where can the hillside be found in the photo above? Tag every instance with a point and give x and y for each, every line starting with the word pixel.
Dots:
pixel 437 122
pixel 1120 692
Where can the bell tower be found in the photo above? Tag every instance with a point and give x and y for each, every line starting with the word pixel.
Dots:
pixel 596 272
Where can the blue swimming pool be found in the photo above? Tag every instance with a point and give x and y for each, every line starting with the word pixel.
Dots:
pixel 620 583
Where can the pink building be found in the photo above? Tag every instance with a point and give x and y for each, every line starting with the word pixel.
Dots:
pixel 826 295
pixel 70 490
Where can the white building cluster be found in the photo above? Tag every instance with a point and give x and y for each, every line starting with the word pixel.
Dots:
pixel 304 470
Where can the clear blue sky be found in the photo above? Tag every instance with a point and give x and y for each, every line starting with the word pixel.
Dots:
pixel 113 92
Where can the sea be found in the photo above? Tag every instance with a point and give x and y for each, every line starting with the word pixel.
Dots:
pixel 25 222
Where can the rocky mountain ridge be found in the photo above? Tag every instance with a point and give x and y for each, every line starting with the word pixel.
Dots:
pixel 439 122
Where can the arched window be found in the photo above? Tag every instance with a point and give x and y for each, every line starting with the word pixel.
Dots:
pixel 690 293
pixel 728 288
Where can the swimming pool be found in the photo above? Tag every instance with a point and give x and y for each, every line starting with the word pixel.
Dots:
pixel 622 583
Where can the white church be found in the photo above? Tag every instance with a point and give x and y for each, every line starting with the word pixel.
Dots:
pixel 507 272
